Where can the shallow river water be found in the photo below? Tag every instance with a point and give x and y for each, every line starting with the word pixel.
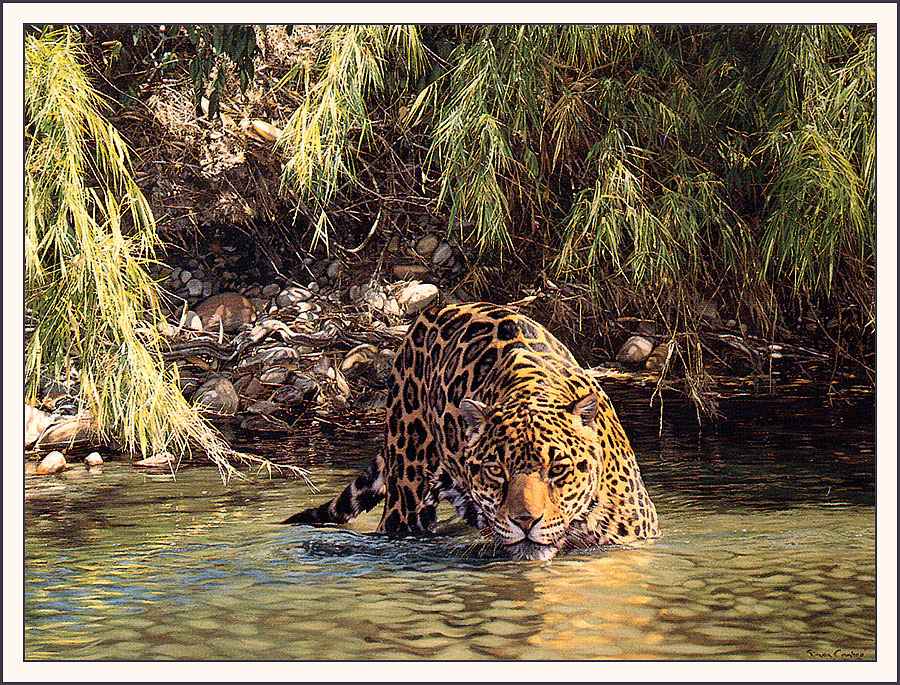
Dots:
pixel 768 553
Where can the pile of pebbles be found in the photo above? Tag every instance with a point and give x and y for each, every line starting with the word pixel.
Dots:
pixel 261 352
pixel 264 352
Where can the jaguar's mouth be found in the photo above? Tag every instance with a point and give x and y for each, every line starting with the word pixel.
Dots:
pixel 528 550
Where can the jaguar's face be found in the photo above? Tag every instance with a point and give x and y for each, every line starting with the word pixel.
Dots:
pixel 533 474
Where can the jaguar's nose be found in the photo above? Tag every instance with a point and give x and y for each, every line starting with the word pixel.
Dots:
pixel 525 521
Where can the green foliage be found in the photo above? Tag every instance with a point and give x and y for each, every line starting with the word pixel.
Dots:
pixel 217 46
pixel 89 234
pixel 687 161
pixel 323 136
pixel 820 149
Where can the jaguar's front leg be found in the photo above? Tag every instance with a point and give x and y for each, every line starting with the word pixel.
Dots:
pixel 410 507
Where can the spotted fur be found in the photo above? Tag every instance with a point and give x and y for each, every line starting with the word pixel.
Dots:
pixel 488 410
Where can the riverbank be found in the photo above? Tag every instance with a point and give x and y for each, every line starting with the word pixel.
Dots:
pixel 265 349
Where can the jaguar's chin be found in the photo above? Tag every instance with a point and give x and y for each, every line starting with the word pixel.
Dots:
pixel 528 550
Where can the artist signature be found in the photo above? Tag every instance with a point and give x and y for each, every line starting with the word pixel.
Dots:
pixel 837 655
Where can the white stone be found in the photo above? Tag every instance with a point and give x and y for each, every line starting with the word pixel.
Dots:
pixel 52 463
pixel 93 459
pixel 192 321
pixel 417 296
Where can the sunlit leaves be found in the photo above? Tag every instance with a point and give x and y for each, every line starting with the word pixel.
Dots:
pixel 685 160
pixel 89 234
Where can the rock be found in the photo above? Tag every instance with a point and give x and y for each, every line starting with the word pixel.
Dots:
pixel 708 310
pixel 427 245
pixel 304 307
pixel 192 321
pixel 306 384
pixel 69 429
pixel 341 382
pixel 415 297
pixel 36 422
pixel 274 375
pixel 265 130
pixel 374 298
pixel 384 363
pixel 323 365
pixel 185 276
pixel 188 378
pixel 339 402
pixel 646 327
pixel 166 329
pixel 393 245
pixel 271 290
pixel 334 270
pixel 254 389
pixel 159 460
pixel 409 272
pixel 635 350
pixel 290 297
pixel 232 309
pixel 443 255
pixel 392 307
pixel 263 423
pixel 194 287
pixel 52 463
pixel 218 396
pixel 290 398
pixel 358 360
pixel 657 359
pixel 372 401
pixel 458 296
pixel 262 407
pixel 93 459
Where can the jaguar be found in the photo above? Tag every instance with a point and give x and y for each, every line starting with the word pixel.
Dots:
pixel 488 410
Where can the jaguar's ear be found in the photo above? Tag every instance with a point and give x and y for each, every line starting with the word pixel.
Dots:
pixel 474 415
pixel 586 409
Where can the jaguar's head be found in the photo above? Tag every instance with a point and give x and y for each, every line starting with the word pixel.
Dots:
pixel 532 469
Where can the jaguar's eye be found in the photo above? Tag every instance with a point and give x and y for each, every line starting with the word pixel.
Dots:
pixel 558 470
pixel 494 470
